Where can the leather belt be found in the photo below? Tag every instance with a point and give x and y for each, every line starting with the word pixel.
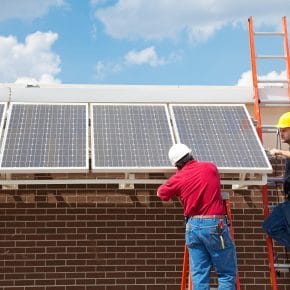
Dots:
pixel 206 217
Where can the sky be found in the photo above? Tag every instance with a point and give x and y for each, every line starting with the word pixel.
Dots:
pixel 159 42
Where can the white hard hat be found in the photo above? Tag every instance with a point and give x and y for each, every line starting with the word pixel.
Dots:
pixel 177 152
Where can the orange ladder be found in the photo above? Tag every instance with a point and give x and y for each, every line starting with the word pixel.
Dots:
pixel 257 113
pixel 186 271
pixel 254 57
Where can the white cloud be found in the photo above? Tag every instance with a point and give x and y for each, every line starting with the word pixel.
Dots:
pixel 151 19
pixel 246 78
pixel 145 56
pixel 43 79
pixel 31 60
pixel 103 69
pixel 27 9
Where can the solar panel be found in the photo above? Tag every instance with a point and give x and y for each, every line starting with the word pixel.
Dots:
pixel 223 134
pixel 46 138
pixel 136 137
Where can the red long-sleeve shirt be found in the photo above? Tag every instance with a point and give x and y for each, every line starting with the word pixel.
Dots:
pixel 197 185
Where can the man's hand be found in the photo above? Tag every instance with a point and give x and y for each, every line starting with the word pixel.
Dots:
pixel 275 152
pixel 279 152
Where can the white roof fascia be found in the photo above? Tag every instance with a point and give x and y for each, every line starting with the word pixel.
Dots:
pixel 274 95
pixel 129 93
pixel 5 93
pixel 269 95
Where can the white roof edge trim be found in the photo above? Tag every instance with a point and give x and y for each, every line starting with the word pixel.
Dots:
pixel 129 93
pixel 136 93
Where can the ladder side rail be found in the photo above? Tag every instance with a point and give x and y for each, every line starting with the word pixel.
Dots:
pixel 229 216
pixel 185 268
pixel 254 77
pixel 269 241
pixel 286 51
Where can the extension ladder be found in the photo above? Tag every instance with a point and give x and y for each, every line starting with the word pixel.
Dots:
pixel 256 82
pixel 254 57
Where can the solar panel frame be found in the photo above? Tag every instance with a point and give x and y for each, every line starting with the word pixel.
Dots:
pixel 3 116
pixel 131 169
pixel 225 169
pixel 45 169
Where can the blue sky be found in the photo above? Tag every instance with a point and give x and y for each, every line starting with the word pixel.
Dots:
pixel 167 42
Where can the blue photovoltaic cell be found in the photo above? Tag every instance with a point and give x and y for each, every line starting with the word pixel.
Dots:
pixel 131 136
pixel 220 134
pixel 46 136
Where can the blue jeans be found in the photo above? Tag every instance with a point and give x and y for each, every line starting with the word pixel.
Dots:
pixel 206 249
pixel 277 224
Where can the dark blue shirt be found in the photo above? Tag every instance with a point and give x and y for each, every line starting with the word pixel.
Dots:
pixel 287 168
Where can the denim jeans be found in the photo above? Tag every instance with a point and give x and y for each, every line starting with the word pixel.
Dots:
pixel 277 224
pixel 208 248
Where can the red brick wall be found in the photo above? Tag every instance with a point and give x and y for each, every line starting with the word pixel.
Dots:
pixel 99 237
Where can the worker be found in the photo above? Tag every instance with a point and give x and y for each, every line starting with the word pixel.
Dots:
pixel 284 130
pixel 197 185
pixel 277 224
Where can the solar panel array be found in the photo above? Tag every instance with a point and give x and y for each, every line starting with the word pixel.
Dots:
pixel 47 137
pixel 54 137
pixel 130 136
pixel 221 134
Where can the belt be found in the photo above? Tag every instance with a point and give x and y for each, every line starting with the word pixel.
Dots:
pixel 206 217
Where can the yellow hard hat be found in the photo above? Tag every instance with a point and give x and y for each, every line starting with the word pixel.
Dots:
pixel 284 121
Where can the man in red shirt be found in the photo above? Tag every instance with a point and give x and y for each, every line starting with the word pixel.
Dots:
pixel 197 185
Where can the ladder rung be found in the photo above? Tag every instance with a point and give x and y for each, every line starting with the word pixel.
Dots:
pixel 282 266
pixel 272 131
pixel 264 126
pixel 269 33
pixel 272 81
pixel 276 179
pixel 270 56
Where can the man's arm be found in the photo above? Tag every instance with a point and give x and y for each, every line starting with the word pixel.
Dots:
pixel 168 189
pixel 279 152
